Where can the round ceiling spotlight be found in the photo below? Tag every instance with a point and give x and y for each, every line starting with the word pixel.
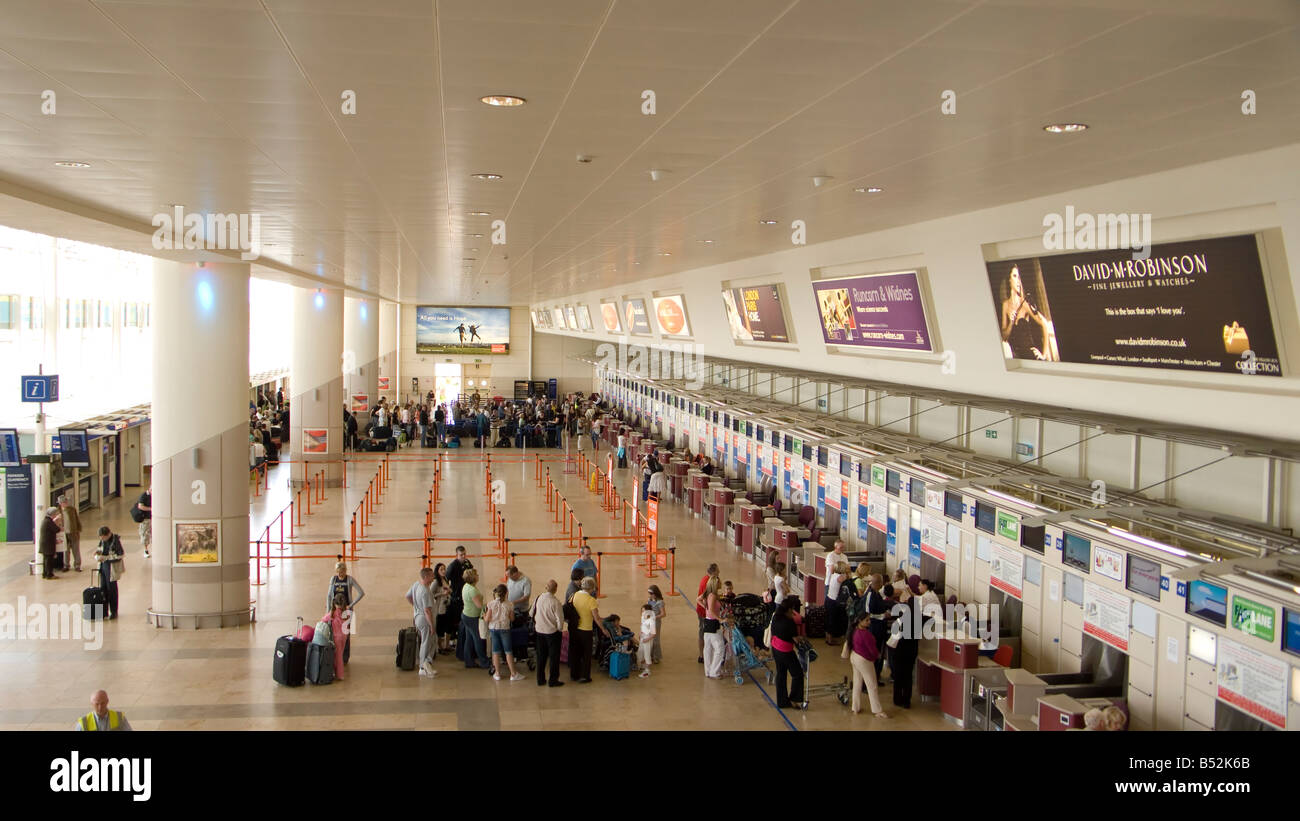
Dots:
pixel 767 222
pixel 486 176
pixel 1065 128
pixel 871 189
pixel 72 164
pixel 502 100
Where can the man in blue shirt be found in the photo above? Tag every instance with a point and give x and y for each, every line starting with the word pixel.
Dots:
pixel 584 563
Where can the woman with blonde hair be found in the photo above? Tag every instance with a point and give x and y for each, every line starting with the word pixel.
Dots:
pixel 715 646
pixel 471 636
pixel 499 613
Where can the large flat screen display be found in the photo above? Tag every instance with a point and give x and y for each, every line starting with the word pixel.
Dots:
pixel 74 448
pixel 1193 306
pixel 461 330
pixel 1076 551
pixel 876 311
pixel 10 454
pixel 1143 577
pixel 1208 601
pixel 1291 631
pixel 638 321
pixel 755 314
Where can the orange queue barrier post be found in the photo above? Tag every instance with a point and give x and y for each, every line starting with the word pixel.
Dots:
pixel 354 535
pixel 538 458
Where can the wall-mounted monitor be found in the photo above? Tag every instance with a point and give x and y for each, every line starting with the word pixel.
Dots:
pixel 1291 631
pixel 789 444
pixel 1070 308
pixel 823 455
pixel 952 505
pixel 609 315
pixel 846 466
pixel 1031 538
pixel 637 320
pixel 670 315
pixel 807 453
pixel 74 448
pixel 10 453
pixel 755 314
pixel 916 492
pixel 441 330
pixel 1207 601
pixel 1143 577
pixel 892 482
pixel 986 516
pixel 875 311
pixel 1077 552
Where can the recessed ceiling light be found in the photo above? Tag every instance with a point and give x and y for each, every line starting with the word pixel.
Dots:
pixel 664 254
pixel 476 236
pixel 486 176
pixel 503 100
pixel 705 241
pixel 473 250
pixel 469 259
pixel 868 189
pixel 1064 128
pixel 72 164
pixel 767 222
pixel 821 179
pixel 479 213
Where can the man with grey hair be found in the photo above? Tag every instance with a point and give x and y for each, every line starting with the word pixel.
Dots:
pixel 519 589
pixel 71 532
pixel 548 622
pixel 422 603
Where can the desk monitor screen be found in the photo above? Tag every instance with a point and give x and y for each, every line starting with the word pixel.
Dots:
pixel 846 466
pixel 1143 577
pixel 74 448
pixel 1077 552
pixel 807 453
pixel 10 454
pixel 1208 601
pixel 916 492
pixel 1031 538
pixel 952 505
pixel 1291 631
pixel 891 482
pixel 823 456
pixel 985 517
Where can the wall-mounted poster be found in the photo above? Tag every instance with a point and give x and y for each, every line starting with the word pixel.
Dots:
pixel 934 536
pixel 571 316
pixel 1105 615
pixel 755 314
pixel 1253 681
pixel 875 311
pixel 1107 562
pixel 638 322
pixel 1197 306
pixel 560 321
pixel 360 402
pixel 383 383
pixel 584 318
pixel 609 315
pixel 441 330
pixel 197 543
pixel 670 314
pixel 1006 569
pixel 315 440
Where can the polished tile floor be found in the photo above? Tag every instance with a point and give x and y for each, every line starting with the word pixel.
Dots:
pixel 221 679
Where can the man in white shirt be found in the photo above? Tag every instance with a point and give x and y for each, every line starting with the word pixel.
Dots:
pixel 834 557
pixel 519 589
pixel 548 623
pixel 422 604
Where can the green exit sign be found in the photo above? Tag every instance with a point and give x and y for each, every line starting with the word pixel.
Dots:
pixel 990 434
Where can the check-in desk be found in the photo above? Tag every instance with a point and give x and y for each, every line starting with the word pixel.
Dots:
pixel 676 473
pixel 1053 701
pixel 718 502
pixel 747 520
pixel 985 699
pixel 634 442
pixel 943 670
pixel 1019 707
pixel 697 483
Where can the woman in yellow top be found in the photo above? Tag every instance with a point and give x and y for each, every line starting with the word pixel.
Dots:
pixel 582 638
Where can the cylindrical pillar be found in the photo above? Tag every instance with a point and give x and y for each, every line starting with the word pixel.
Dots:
pixel 360 353
pixel 200 445
pixel 388 351
pixel 317 384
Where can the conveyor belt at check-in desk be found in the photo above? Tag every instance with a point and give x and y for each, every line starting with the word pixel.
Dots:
pixel 1051 701
pixel 943 669
pixel 718 501
pixel 746 521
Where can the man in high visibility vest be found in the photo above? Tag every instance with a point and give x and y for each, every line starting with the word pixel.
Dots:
pixel 102 718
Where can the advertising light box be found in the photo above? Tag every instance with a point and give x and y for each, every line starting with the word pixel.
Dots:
pixel 670 316
pixel 875 311
pixel 638 322
pixel 755 314
pixel 461 330
pixel 1199 306
pixel 609 315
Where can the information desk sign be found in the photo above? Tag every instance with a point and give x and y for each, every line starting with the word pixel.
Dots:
pixel 43 388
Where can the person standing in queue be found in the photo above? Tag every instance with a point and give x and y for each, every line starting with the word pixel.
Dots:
pixel 341 584
pixel 48 542
pixel 903 659
pixel 71 533
pixel 786 624
pixel 470 645
pixel 456 583
pixel 548 623
pixel 581 641
pixel 109 555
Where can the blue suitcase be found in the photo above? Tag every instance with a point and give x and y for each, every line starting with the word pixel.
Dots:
pixel 620 665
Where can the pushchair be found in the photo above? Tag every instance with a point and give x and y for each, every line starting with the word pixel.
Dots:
pixel 752 616
pixel 744 658
pixel 606 647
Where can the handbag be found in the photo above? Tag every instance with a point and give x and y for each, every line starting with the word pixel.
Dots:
pixel 482 627
pixel 893 639
pixel 711 625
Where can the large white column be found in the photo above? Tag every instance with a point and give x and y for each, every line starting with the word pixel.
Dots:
pixel 316 382
pixel 388 356
pixel 200 444
pixel 360 351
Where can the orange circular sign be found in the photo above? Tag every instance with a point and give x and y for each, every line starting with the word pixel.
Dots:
pixel 671 318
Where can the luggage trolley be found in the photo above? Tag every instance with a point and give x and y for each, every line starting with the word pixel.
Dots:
pixel 842 689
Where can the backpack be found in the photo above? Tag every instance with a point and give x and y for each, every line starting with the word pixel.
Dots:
pixel 137 515
pixel 324 635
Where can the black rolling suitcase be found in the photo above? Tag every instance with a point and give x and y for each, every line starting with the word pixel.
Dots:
pixel 94 604
pixel 408 644
pixel 814 621
pixel 320 663
pixel 290 665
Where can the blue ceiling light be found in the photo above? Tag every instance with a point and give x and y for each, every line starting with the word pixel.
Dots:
pixel 363 312
pixel 206 298
pixel 320 299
